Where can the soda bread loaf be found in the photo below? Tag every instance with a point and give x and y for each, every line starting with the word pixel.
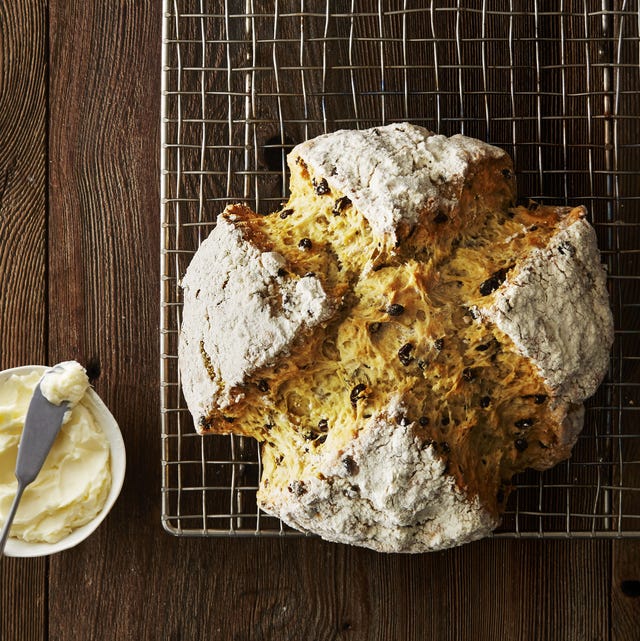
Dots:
pixel 399 337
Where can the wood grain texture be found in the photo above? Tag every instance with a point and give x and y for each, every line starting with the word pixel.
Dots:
pixel 23 295
pixel 22 182
pixel 104 236
pixel 288 590
pixel 625 591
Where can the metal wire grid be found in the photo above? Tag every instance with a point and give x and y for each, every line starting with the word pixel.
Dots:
pixel 552 82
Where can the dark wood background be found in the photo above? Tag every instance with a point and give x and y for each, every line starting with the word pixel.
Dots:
pixel 79 273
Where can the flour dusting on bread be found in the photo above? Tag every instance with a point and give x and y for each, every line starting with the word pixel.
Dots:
pixel 241 310
pixel 395 173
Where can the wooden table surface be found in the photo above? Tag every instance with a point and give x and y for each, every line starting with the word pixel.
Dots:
pixel 79 273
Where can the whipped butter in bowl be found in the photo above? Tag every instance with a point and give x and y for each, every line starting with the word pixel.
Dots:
pixel 83 473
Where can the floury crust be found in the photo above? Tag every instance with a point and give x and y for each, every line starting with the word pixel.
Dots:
pixel 386 490
pixel 229 281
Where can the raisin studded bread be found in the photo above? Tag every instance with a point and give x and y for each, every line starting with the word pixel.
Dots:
pixel 399 337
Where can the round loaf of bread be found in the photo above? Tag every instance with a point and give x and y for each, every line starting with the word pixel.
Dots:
pixel 399 337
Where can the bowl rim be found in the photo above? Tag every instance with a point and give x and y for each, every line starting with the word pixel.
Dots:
pixel 19 548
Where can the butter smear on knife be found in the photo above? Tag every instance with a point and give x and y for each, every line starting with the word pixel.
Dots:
pixel 65 382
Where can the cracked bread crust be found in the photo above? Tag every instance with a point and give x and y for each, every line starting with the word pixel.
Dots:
pixel 401 174
pixel 558 288
pixel 399 355
pixel 386 490
pixel 241 310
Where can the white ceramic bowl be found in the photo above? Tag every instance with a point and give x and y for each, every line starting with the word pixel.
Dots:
pixel 17 547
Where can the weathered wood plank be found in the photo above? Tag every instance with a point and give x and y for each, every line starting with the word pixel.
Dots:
pixel 23 82
pixel 103 245
pixel 22 182
pixel 282 590
pixel 625 591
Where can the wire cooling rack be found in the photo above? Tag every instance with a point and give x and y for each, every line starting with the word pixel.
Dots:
pixel 555 83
